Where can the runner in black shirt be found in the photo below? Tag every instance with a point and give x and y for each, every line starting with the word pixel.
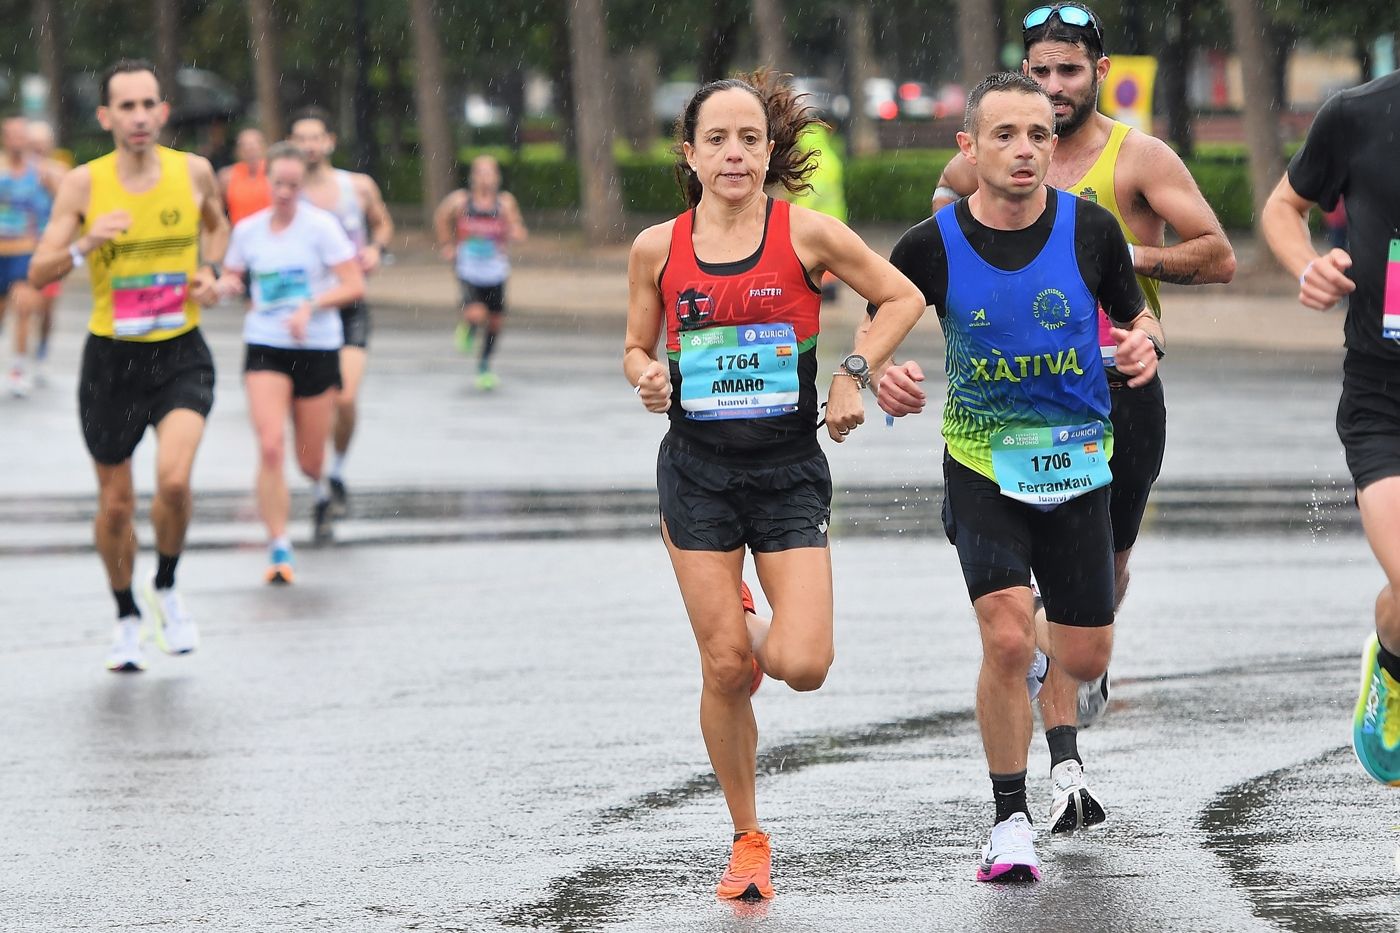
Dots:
pixel 1350 153
pixel 1018 272
pixel 1099 247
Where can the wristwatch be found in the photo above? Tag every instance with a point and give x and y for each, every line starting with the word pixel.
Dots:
pixel 858 368
pixel 1156 345
pixel 79 260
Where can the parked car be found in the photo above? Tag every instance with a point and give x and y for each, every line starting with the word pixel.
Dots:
pixel 480 112
pixel 824 95
pixel 880 100
pixel 669 99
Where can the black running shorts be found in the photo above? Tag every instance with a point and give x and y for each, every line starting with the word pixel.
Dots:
pixel 1368 419
pixel 354 320
pixel 1001 542
pixel 311 371
pixel 710 506
pixel 126 385
pixel 493 296
pixel 1139 439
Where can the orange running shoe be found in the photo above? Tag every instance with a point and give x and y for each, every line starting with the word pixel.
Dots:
pixel 746 597
pixel 750 873
pixel 279 571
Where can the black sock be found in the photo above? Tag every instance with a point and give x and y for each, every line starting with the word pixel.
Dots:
pixel 165 570
pixel 486 348
pixel 1009 794
pixel 1064 744
pixel 1388 662
pixel 126 604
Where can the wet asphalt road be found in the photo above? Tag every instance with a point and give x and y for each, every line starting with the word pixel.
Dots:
pixel 478 713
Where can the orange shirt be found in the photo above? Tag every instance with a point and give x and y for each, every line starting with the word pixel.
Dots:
pixel 248 192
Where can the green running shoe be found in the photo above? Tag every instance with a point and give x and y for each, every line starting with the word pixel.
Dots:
pixel 1375 732
pixel 465 338
pixel 487 381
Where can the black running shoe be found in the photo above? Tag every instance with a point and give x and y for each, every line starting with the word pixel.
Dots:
pixel 340 500
pixel 322 531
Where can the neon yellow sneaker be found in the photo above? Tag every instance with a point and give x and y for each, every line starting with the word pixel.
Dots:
pixel 1375 731
pixel 465 338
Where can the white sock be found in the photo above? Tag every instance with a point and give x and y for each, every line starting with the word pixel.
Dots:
pixel 338 465
pixel 282 541
pixel 322 488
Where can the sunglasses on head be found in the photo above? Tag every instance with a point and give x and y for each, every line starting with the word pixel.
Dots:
pixel 1067 13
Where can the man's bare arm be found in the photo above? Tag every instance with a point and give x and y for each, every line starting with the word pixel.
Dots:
pixel 514 219
pixel 1204 254
pixel 446 210
pixel 1322 279
pixel 51 260
pixel 213 241
pixel 959 179
pixel 381 225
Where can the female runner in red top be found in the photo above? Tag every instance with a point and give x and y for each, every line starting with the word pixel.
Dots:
pixel 733 282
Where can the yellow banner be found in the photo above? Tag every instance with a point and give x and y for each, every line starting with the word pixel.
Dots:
pixel 1126 94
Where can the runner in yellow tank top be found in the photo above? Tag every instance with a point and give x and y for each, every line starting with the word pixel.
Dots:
pixel 1098 185
pixel 1147 187
pixel 141 218
pixel 142 279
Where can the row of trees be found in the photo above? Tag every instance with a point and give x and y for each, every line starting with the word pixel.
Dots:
pixel 396 71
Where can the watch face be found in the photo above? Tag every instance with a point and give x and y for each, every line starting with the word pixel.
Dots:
pixel 855 364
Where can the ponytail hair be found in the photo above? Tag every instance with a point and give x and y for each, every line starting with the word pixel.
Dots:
pixel 788 115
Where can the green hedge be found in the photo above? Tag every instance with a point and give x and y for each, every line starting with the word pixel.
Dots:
pixel 897 186
pixel 891 187
pixel 894 186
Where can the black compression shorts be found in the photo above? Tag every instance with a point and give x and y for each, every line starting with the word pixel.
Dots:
pixel 1368 421
pixel 1139 440
pixel 1001 541
pixel 493 296
pixel 126 385
pixel 354 320
pixel 710 506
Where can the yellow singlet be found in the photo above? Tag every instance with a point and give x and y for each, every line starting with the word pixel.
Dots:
pixel 141 280
pixel 1097 186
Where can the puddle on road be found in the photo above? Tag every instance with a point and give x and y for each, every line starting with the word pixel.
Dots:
pixel 1272 834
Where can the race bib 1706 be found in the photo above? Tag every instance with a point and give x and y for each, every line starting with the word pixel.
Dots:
pixel 1048 466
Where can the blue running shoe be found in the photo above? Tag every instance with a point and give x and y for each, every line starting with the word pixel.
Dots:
pixel 279 571
pixel 1375 731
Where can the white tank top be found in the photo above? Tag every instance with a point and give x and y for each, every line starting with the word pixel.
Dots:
pixel 347 209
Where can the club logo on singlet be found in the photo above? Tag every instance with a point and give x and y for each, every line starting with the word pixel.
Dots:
pixel 170 216
pixel 694 309
pixel 1089 194
pixel 1051 308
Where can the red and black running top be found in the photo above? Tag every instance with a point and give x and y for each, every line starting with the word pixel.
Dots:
pixel 752 388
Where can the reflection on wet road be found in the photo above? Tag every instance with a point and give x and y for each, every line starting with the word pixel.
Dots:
pixel 510 742
pixel 492 725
